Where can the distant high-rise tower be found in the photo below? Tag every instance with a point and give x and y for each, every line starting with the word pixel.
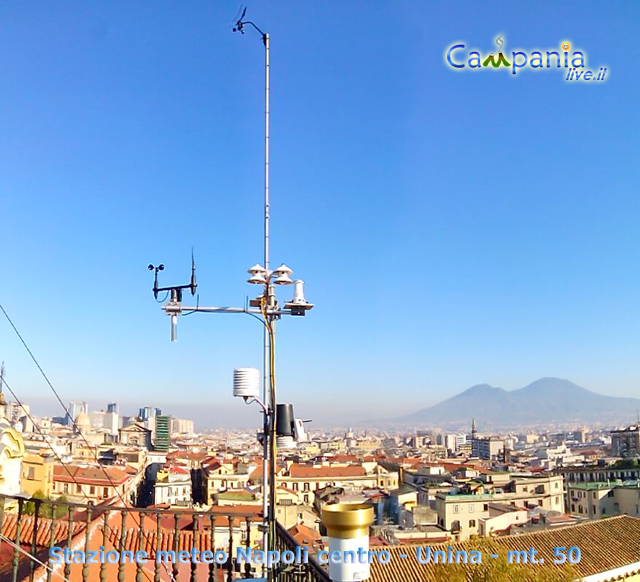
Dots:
pixel 474 430
pixel 112 407
pixel 162 433
pixel 75 408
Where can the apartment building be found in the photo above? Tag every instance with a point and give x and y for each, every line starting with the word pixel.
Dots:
pixel 306 479
pixel 461 513
pixel 37 473
pixel 626 443
pixel 624 471
pixel 603 499
pixel 94 483
pixel 226 475
pixel 173 487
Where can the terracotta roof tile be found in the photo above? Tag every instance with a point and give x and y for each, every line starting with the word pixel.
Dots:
pixel 297 471
pixel 604 545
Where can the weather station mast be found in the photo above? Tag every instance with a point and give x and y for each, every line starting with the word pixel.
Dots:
pixel 280 429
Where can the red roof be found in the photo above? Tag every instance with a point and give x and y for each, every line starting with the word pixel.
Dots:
pixel 90 475
pixel 298 471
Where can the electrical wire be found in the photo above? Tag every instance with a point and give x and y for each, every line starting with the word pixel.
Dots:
pixel 57 456
pixel 32 557
pixel 75 426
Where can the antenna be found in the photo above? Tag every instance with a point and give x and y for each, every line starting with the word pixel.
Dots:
pixel 193 284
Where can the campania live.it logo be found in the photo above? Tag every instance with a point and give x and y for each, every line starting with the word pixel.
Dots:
pixel 572 61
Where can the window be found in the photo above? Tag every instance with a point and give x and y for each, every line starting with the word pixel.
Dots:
pixel 306 488
pixel 78 488
pixel 456 508
pixel 105 492
pixel 610 493
pixel 594 509
pixel 486 507
pixel 306 499
pixel 92 490
pixel 471 508
pixel 556 485
pixel 295 486
pixel 472 523
pixel 66 488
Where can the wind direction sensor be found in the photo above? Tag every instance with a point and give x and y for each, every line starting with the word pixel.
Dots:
pixel 176 293
pixel 239 23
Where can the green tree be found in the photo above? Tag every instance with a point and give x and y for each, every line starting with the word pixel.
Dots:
pixel 46 508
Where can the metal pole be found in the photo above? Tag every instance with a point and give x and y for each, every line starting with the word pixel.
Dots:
pixel 266 395
pixel 265 39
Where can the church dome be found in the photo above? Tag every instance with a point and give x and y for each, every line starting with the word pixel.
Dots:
pixel 82 422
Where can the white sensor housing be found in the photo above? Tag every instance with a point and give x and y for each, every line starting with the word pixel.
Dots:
pixel 246 382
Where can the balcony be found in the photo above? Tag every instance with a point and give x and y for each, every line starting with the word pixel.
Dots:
pixel 30 528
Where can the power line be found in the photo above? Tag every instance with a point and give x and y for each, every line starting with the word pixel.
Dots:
pixel 44 437
pixel 32 557
pixel 75 426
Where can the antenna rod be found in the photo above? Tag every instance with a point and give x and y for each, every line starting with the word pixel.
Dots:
pixel 265 38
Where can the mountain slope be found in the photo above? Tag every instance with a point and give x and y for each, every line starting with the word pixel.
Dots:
pixel 545 401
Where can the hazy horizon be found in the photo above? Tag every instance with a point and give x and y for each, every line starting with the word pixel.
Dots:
pixel 452 228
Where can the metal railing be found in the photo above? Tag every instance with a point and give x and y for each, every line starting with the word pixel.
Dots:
pixel 31 528
pixel 309 572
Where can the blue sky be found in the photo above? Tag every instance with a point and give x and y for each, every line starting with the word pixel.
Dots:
pixel 452 228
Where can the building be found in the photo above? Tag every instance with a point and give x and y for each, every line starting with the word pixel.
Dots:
pixel 306 479
pixel 74 409
pixel 226 476
pixel 626 443
pixel 37 473
pixel 182 426
pixel 12 451
pixel 487 448
pixel 460 513
pixel 173 487
pixel 603 499
pixel 595 540
pixel 622 471
pixel 162 438
pixel 95 483
pixel 502 518
pixel 135 434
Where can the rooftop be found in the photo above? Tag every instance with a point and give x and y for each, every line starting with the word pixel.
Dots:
pixel 605 545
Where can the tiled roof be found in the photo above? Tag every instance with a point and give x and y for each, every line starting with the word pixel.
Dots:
pixel 304 535
pixel 604 545
pixel 301 471
pixel 43 534
pixel 89 475
pixel 187 455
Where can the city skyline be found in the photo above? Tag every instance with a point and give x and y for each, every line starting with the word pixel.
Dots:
pixel 441 247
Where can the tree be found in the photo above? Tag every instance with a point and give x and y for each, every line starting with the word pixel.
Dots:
pixel 46 508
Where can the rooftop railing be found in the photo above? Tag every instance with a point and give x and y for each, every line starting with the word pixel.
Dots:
pixel 102 542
